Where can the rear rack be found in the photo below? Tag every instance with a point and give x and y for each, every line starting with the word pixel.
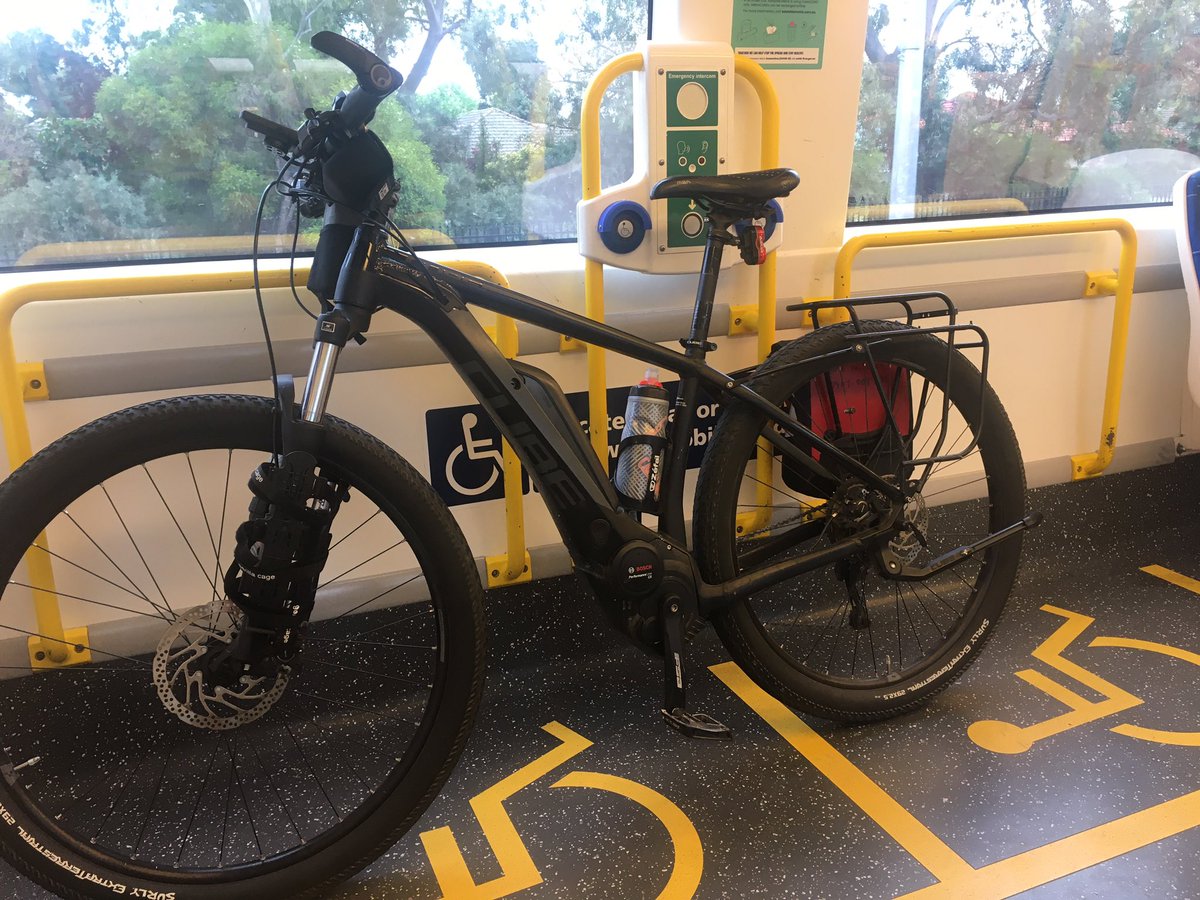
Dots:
pixel 949 310
pixel 951 330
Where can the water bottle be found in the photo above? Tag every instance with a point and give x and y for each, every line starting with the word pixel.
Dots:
pixel 643 444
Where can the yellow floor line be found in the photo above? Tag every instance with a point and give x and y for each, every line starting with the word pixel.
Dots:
pixel 689 854
pixel 1178 738
pixel 1072 854
pixel 520 871
pixel 904 828
pixel 1190 584
pixel 958 880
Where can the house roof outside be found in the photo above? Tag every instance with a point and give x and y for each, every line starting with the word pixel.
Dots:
pixel 505 132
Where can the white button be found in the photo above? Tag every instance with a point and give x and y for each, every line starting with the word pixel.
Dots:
pixel 625 228
pixel 692 100
pixel 692 224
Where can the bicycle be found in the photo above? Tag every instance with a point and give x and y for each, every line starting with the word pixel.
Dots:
pixel 243 723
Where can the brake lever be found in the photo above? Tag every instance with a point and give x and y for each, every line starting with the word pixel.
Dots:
pixel 277 137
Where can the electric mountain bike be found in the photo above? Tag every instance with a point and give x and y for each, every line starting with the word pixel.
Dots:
pixel 262 702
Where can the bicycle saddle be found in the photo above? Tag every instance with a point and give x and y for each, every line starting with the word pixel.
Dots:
pixel 739 189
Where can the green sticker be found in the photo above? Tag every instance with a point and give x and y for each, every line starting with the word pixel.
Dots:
pixel 691 99
pixel 689 152
pixel 780 34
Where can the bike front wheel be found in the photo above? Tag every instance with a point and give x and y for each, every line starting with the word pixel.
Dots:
pixel 133 768
pixel 847 642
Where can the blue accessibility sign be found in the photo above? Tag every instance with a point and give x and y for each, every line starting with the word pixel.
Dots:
pixel 465 461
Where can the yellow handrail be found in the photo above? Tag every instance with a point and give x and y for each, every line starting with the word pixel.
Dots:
pixel 1085 465
pixel 55 644
pixel 768 100
pixel 593 275
pixel 513 566
pixel 593 271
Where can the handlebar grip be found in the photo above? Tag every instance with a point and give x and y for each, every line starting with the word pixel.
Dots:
pixel 374 76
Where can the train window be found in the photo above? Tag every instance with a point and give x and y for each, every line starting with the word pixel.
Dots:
pixel 984 107
pixel 119 136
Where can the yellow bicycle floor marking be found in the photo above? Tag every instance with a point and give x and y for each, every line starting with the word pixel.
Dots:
pixel 1179 738
pixel 1072 854
pixel 1175 578
pixel 1004 737
pixel 957 879
pixel 518 866
pixel 925 846
pixel 689 854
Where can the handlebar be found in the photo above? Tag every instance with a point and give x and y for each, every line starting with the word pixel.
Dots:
pixel 376 80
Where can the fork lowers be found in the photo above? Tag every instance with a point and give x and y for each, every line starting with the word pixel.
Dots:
pixel 280 551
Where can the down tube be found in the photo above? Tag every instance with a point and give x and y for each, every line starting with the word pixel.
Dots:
pixel 583 506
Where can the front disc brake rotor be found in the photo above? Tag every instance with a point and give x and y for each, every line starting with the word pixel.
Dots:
pixel 187 689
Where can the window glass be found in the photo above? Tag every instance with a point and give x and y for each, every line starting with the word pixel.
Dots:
pixel 120 138
pixel 978 107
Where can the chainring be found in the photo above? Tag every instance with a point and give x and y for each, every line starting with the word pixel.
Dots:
pixel 183 685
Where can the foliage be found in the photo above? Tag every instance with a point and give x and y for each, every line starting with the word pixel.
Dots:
pixel 1052 85
pixel 141 133
pixel 58 81
pixel 71 205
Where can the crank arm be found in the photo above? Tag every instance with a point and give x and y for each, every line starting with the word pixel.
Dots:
pixel 894 569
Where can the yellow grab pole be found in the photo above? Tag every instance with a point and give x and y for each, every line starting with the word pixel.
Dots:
pixel 513 566
pixel 768 100
pixel 1084 465
pixel 593 271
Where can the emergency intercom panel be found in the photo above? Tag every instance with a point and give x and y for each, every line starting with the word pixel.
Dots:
pixel 684 124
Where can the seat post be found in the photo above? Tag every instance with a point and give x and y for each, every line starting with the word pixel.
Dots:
pixel 696 344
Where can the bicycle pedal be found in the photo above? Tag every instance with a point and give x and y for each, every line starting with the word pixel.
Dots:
pixel 697 725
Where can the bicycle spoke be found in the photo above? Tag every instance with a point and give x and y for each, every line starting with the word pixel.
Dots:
pixel 133 612
pixel 136 547
pixel 361 564
pixel 199 796
pixel 137 591
pixel 88 571
pixel 211 583
pixel 376 597
pixel 352 531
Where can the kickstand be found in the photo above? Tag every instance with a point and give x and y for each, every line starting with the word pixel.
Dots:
pixel 674 710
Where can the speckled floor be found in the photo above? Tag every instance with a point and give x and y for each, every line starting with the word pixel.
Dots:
pixel 770 824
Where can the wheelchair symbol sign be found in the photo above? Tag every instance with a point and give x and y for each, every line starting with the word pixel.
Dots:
pixel 465 462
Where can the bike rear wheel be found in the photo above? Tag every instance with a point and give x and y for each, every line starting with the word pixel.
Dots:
pixel 810 641
pixel 129 768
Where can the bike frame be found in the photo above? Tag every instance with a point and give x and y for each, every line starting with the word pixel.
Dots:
pixel 575 488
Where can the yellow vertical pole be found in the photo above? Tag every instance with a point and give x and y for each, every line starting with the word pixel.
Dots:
pixel 513 566
pixel 19 448
pixel 768 100
pixel 593 271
